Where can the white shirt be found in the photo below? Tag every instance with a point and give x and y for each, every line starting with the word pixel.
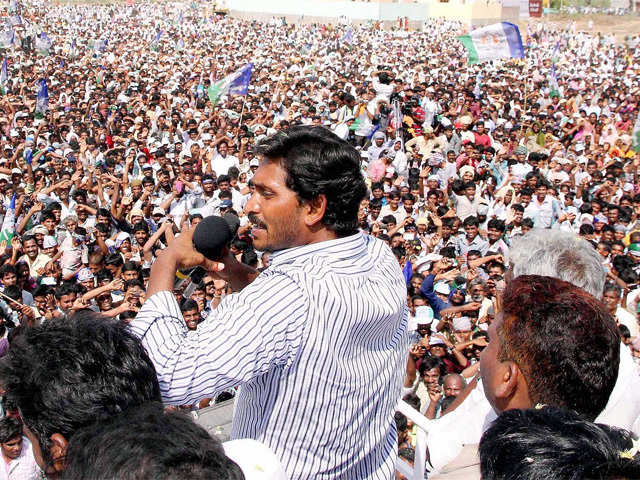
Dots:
pixel 627 319
pixel 22 468
pixel 318 345
pixel 221 165
pixel 465 425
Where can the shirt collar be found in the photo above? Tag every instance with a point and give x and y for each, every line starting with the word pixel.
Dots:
pixel 337 249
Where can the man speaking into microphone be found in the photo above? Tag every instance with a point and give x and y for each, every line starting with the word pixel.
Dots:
pixel 317 342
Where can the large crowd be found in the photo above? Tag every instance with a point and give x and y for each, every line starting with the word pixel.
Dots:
pixel 461 161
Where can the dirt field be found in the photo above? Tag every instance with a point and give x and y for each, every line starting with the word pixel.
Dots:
pixel 620 25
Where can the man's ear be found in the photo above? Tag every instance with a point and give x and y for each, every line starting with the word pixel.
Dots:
pixel 315 210
pixel 510 379
pixel 59 446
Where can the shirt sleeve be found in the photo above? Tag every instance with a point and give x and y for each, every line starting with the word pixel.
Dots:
pixel 426 289
pixel 250 332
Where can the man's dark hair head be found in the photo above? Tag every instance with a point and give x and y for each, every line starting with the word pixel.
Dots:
pixel 148 444
pixel 554 443
pixel 428 363
pixel 103 275
pixel 527 222
pixel 141 226
pixel 188 305
pixel 65 288
pixel 66 374
pixel 497 224
pixel 317 163
pixel 564 342
pixel 10 428
pixel 471 222
pixel 131 266
pixel 7 268
pixel 115 259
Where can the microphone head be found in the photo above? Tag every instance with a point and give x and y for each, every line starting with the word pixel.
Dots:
pixel 211 236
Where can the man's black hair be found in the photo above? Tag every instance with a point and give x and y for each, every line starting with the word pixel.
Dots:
pixel 429 362
pixel 249 257
pixel 14 292
pixel 134 282
pixel 65 288
pixel 102 228
pixel 526 191
pixel 115 259
pixel 225 195
pixel 103 212
pixel 67 374
pixel 41 291
pixel 7 268
pixel 141 226
pixel 188 304
pixel 586 229
pixel 527 222
pixel 471 222
pixel 148 444
pixel 553 443
pixel 497 224
pixel 10 428
pixel 131 266
pixel 224 178
pixel 387 219
pixel 317 163
pixel 103 275
pixel 54 206
pixel 563 341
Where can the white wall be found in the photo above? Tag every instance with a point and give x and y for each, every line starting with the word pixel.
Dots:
pixel 352 10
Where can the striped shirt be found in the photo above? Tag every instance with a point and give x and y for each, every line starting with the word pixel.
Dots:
pixel 318 345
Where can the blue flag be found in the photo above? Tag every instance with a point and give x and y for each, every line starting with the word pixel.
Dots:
pixel 43 44
pixel 42 102
pixel 180 18
pixel 15 20
pixel 7 38
pixel 553 80
pixel 28 156
pixel 99 45
pixel 8 230
pixel 348 37
pixel 235 84
pixel 4 77
pixel 72 49
pixel 156 40
pixel 180 44
pixel 407 272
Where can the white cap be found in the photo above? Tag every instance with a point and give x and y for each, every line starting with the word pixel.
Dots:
pixel 442 288
pixel 461 324
pixel 255 459
pixel 424 314
pixel 49 241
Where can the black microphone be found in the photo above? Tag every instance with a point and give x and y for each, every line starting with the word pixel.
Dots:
pixel 211 236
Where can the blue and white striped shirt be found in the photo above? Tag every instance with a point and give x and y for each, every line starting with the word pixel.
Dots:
pixel 318 343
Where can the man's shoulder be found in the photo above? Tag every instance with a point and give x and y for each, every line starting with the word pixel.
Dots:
pixel 465 466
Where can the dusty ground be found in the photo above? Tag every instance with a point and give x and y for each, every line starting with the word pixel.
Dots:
pixel 620 25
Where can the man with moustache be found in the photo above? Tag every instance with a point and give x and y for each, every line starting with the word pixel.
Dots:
pixel 296 338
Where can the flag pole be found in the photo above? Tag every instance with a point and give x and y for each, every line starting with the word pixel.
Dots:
pixel 526 89
pixel 241 112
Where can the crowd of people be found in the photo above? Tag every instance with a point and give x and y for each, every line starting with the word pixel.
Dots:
pixel 127 150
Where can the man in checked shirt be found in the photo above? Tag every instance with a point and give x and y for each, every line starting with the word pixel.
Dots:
pixel 317 342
